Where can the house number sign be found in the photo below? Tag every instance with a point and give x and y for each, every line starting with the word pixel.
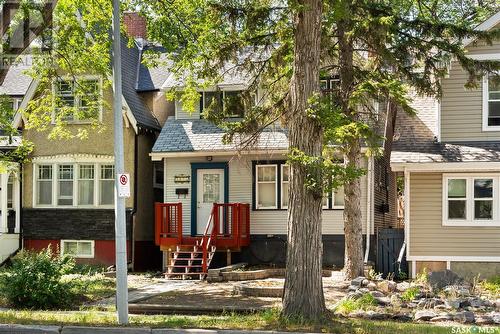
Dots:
pixel 181 178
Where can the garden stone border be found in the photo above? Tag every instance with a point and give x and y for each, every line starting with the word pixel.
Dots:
pixel 225 274
pixel 249 290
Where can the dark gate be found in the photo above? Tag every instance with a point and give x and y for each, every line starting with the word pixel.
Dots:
pixel 389 243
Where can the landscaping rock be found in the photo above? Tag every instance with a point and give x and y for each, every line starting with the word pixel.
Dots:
pixel 402 317
pixel 358 281
pixel 403 286
pixel 465 317
pixel 387 286
pixel 424 315
pixel 441 307
pixel 457 290
pixel 442 317
pixel 372 286
pixel 476 302
pixel 365 282
pixel 497 304
pixel 377 294
pixel 496 317
pixel 353 288
pixel 484 320
pixel 369 315
pixel 384 301
pixel 396 301
pixel 364 290
pixel 440 279
pixel 452 304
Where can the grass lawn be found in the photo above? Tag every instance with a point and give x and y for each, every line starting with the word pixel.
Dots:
pixel 268 320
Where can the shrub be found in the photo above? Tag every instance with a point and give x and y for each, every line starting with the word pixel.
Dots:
pixel 350 304
pixel 410 294
pixel 34 280
pixel 492 285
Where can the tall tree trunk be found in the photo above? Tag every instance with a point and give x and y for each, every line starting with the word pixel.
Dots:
pixel 353 223
pixel 303 296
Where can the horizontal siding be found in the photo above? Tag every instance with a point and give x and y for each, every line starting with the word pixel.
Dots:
pixel 180 113
pixel 240 190
pixel 427 235
pixel 462 109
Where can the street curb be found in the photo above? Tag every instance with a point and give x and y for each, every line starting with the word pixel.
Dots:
pixel 107 330
pixel 29 329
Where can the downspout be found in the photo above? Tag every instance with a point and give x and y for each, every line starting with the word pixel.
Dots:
pixel 21 173
pixel 134 209
pixel 369 188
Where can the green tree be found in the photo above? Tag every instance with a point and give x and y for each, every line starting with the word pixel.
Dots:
pixel 378 49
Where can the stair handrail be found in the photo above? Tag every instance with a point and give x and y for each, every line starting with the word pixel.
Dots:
pixel 208 239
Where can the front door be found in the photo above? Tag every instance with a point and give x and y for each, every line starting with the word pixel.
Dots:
pixel 210 190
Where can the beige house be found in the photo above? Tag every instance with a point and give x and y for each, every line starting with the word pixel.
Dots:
pixel 449 156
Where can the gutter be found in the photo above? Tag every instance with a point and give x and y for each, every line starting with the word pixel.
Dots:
pixel 369 207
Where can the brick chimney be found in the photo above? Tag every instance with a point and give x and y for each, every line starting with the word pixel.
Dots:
pixel 135 25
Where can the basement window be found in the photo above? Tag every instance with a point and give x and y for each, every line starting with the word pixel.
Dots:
pixel 78 248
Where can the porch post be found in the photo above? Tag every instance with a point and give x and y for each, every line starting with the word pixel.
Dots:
pixel 16 188
pixel 3 201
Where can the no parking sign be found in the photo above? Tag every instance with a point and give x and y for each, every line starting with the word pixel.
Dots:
pixel 123 185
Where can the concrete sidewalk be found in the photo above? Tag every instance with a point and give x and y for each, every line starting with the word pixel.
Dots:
pixel 148 291
pixel 29 329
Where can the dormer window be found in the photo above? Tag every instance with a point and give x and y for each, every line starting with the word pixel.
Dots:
pixel 77 100
pixel 491 103
pixel 232 102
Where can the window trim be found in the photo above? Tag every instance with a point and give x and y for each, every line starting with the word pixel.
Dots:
pixel 75 120
pixel 223 91
pixel 276 179
pixel 284 207
pixel 55 185
pixel 336 207
pixel 486 99
pixel 79 256
pixel 469 221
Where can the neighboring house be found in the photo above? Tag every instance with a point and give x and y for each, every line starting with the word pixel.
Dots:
pixel 14 87
pixel 250 187
pixel 68 187
pixel 450 158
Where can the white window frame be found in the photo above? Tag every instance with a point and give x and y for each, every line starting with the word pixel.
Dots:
pixel 223 97
pixel 79 256
pixel 486 100
pixel 257 166
pixel 75 120
pixel 55 185
pixel 469 198
pixel 336 207
pixel 282 182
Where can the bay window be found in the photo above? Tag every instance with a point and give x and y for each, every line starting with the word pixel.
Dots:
pixel 470 200
pixel 74 185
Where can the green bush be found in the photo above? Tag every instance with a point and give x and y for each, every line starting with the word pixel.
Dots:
pixel 350 304
pixel 410 294
pixel 34 280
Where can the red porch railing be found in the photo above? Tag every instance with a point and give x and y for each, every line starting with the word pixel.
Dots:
pixel 168 224
pixel 227 227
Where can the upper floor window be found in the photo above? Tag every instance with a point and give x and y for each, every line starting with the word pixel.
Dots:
pixel 491 103
pixel 470 200
pixel 231 102
pixel 74 185
pixel 77 100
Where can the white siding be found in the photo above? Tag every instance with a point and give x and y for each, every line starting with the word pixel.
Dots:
pixel 240 190
pixel 180 113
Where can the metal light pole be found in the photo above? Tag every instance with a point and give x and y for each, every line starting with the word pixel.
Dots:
pixel 120 229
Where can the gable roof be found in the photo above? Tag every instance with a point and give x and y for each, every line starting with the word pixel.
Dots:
pixel 142 116
pixel 491 22
pixel 16 82
pixel 152 78
pixel 200 135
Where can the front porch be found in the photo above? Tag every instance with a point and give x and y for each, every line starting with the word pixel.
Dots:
pixel 227 229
